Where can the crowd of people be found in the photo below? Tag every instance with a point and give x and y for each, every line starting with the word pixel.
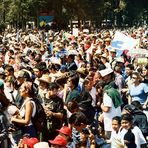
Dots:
pixel 60 90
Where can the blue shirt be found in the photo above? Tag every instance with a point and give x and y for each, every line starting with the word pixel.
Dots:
pixel 139 93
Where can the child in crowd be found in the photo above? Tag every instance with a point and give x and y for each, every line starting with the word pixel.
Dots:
pixel 127 124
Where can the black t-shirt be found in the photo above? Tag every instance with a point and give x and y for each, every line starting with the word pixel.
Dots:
pixel 56 105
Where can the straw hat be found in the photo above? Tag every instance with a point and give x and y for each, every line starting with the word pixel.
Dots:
pixel 45 78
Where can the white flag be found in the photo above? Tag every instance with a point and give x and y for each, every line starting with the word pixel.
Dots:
pixel 123 42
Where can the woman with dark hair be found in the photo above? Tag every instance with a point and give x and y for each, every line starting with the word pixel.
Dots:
pixel 138 91
pixel 127 125
pixel 27 111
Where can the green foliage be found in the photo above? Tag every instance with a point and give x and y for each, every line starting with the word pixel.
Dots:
pixel 20 11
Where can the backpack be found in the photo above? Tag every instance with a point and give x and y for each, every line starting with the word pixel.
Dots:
pixel 39 120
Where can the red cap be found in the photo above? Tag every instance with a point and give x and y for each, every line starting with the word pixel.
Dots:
pixel 59 140
pixel 30 141
pixel 65 130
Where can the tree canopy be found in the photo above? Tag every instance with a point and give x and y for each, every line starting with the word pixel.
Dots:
pixel 119 12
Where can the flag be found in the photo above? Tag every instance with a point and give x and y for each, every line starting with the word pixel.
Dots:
pixel 123 42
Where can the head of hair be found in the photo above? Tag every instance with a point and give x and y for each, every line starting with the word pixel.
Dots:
pixel 75 80
pixel 117 69
pixel 29 87
pixel 41 66
pixel 127 117
pixel 77 119
pixel 72 105
pixel 38 58
pixel 146 67
pixel 130 66
pixel 53 86
pixel 72 57
pixel 52 66
pixel 100 83
pixel 117 118
pixel 137 74
pixel 9 68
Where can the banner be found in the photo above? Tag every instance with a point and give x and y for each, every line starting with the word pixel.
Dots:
pixel 139 53
pixel 45 20
pixel 123 42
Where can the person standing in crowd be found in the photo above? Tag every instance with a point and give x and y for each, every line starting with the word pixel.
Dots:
pixel 43 88
pixel 129 70
pixel 27 111
pixel 21 77
pixel 139 117
pixel 73 94
pixel 112 102
pixel 71 65
pixel 138 91
pixel 54 108
pixel 127 125
pixel 78 121
pixel 112 57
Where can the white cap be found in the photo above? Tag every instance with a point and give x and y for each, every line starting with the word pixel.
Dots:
pixel 105 72
pixel 41 145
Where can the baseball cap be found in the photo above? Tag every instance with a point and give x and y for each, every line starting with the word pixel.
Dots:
pixel 59 140
pixel 30 141
pixel 41 145
pixel 65 130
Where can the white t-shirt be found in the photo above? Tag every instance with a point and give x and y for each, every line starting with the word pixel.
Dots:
pixel 107 101
pixel 139 138
pixel 115 139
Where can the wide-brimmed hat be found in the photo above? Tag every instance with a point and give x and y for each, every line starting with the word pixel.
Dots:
pixel 107 40
pixel 22 74
pixel 82 70
pixel 45 78
pixel 112 50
